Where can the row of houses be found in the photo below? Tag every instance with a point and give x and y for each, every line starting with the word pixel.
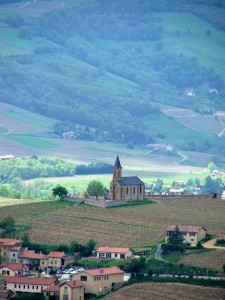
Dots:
pixel 12 251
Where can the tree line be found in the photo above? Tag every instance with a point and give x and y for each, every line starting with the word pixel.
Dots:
pixel 41 167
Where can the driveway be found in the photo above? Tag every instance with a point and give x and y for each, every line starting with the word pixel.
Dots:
pixel 210 245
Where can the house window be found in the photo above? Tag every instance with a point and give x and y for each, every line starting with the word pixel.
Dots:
pixel 19 286
pixel 83 278
pixel 122 255
pixel 37 287
pixel 121 193
pixel 184 234
pixel 33 287
pixel 134 190
pixel 15 285
pixel 115 254
pixel 24 286
pixel 14 254
pixel 28 287
pixel 65 297
pixel 127 190
pixel 192 233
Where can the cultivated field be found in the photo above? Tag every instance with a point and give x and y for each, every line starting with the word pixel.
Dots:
pixel 213 259
pixel 133 226
pixel 190 118
pixel 166 291
pixel 10 202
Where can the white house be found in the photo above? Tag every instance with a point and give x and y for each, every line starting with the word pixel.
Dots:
pixel 113 252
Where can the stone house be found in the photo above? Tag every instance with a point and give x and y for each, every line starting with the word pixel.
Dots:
pixel 113 252
pixel 191 234
pixel 99 280
pixel 69 290
pixel 125 188
pixel 6 245
pixel 59 260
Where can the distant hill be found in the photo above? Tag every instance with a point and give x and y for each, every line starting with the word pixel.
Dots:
pixel 111 66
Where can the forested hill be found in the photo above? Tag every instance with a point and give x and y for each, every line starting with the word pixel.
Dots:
pixel 106 64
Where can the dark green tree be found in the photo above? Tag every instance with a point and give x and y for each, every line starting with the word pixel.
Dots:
pixel 59 191
pixel 176 237
pixel 95 188
pixel 8 223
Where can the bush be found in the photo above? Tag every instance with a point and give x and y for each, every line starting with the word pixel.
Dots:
pixel 168 248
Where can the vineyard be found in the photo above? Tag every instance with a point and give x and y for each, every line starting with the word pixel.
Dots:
pixel 213 259
pixel 128 226
pixel 166 291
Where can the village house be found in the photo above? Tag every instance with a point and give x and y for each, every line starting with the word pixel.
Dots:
pixel 125 188
pixel 14 269
pixel 99 280
pixel 33 259
pixel 69 290
pixel 6 245
pixel 16 284
pixel 113 252
pixel 162 148
pixel 191 234
pixel 58 260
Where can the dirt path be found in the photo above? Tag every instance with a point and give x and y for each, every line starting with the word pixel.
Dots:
pixel 210 245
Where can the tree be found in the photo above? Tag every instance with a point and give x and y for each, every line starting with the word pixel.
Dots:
pixel 176 237
pixel 8 223
pixel 95 188
pixel 59 191
pixel 211 166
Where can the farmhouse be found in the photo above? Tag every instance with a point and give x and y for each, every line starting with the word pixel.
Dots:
pixel 6 245
pixel 112 252
pixel 14 269
pixel 98 280
pixel 191 234
pixel 125 188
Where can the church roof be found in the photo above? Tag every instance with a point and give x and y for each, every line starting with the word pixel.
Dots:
pixel 117 164
pixel 133 180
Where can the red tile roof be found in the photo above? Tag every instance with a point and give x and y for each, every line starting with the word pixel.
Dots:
pixel 186 228
pixel 9 242
pixel 56 254
pixel 113 249
pixel 15 248
pixel 14 266
pixel 53 288
pixel 74 283
pixel 30 254
pixel 30 280
pixel 104 271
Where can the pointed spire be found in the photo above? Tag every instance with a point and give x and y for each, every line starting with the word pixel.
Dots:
pixel 117 164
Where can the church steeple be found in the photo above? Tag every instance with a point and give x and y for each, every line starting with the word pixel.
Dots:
pixel 117 169
pixel 117 164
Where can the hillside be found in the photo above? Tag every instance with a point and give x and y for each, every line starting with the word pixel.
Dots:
pixel 113 68
pixel 166 291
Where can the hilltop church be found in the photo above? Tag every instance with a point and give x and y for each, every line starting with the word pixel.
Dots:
pixel 125 188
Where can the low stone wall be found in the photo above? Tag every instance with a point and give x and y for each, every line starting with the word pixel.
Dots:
pixel 104 203
pixel 73 200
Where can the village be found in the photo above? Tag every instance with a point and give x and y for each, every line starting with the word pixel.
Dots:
pixel 58 276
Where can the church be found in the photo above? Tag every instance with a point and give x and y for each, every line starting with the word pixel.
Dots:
pixel 125 188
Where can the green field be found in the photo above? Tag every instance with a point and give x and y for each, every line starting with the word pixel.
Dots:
pixel 80 182
pixel 32 141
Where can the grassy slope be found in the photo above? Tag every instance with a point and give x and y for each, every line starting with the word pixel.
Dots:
pixel 188 45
